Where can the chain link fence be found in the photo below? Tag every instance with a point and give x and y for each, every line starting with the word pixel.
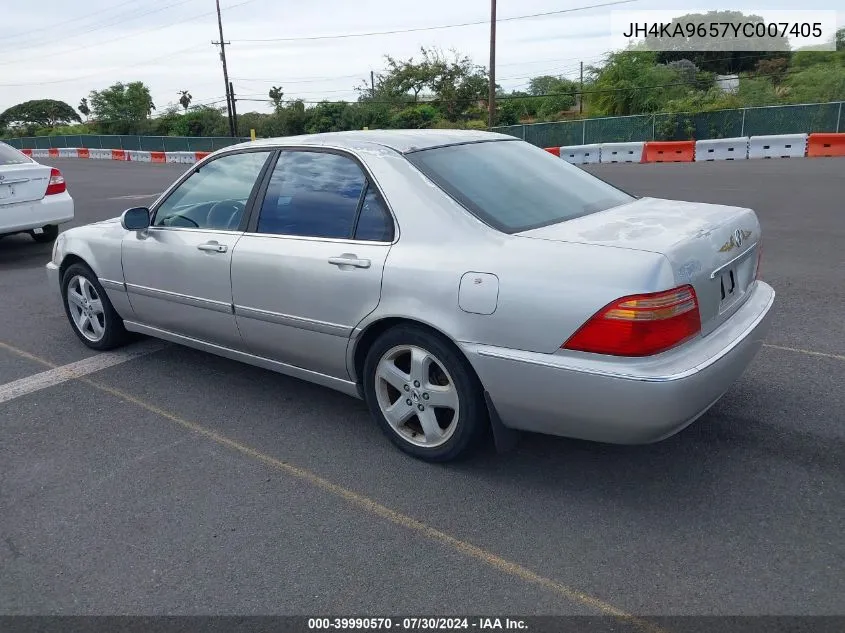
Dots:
pixel 793 119
pixel 145 143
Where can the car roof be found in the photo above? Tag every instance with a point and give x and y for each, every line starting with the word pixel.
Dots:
pixel 403 141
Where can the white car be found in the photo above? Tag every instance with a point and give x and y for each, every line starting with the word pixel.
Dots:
pixel 33 197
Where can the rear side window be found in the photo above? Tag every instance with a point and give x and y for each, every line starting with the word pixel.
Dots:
pixel 325 195
pixel 514 186
pixel 10 156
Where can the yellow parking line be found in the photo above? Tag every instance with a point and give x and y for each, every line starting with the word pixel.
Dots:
pixel 804 351
pixel 373 507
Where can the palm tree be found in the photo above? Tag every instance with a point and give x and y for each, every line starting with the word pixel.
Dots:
pixel 185 99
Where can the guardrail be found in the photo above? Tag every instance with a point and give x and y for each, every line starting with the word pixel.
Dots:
pixel 739 148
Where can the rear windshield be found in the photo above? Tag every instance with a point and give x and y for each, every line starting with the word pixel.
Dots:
pixel 11 156
pixel 514 186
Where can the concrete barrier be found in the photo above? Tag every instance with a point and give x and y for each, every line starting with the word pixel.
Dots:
pixel 778 146
pixel 68 152
pixel 622 152
pixel 581 154
pixel 100 154
pixel 722 149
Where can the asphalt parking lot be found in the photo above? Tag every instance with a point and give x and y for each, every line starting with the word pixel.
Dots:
pixel 181 483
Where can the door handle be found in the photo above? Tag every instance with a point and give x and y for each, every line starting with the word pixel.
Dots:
pixel 348 259
pixel 213 247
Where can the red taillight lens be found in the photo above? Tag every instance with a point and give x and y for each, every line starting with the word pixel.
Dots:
pixel 57 183
pixel 640 325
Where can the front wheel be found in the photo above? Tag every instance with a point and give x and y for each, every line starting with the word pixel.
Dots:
pixel 424 394
pixel 50 233
pixel 91 314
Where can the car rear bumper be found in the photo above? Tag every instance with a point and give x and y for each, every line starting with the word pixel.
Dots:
pixel 622 400
pixel 25 216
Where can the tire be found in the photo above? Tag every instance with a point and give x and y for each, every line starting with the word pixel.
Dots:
pixel 51 232
pixel 441 375
pixel 109 331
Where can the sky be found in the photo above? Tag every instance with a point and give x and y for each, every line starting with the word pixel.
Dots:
pixel 62 50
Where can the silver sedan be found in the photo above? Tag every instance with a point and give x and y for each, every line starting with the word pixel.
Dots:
pixel 456 281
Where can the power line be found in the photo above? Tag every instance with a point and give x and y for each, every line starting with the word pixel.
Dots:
pixel 123 37
pixel 118 19
pixel 432 28
pixel 542 96
pixel 64 23
pixel 101 72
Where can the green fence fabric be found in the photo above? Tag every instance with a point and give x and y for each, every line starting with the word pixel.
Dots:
pixel 817 117
pixel 146 143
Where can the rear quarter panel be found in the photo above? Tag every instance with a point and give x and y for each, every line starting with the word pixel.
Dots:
pixel 546 289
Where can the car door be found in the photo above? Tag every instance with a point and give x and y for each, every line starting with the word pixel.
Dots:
pixel 177 271
pixel 309 268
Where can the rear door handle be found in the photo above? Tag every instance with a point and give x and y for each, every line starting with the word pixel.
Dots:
pixel 213 247
pixel 348 259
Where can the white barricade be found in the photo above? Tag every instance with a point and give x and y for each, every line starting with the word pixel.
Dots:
pixel 68 152
pixel 622 152
pixel 180 157
pixel 100 154
pixel 40 153
pixel 778 146
pixel 139 156
pixel 722 149
pixel 581 154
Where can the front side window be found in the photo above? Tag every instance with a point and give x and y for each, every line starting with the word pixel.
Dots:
pixel 214 197
pixel 514 186
pixel 313 194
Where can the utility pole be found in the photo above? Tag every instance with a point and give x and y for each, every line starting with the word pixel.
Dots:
pixel 581 94
pixel 234 110
pixel 372 84
pixel 491 101
pixel 222 45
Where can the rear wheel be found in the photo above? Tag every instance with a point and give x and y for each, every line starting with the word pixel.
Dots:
pixel 50 233
pixel 424 394
pixel 91 314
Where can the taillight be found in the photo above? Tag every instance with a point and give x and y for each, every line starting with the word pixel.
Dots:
pixel 57 183
pixel 640 325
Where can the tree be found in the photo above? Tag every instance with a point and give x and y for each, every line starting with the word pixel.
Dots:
pixel 185 99
pixel 741 55
pixel 120 107
pixel 39 113
pixel 631 82
pixel 276 95
pixel 83 108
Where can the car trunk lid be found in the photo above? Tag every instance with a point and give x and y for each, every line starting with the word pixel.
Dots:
pixel 24 182
pixel 712 247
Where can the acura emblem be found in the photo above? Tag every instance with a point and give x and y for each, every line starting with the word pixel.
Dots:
pixel 736 240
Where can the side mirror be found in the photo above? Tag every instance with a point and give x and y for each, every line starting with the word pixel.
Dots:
pixel 135 219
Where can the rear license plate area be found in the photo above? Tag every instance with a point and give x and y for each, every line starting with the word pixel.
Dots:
pixel 730 288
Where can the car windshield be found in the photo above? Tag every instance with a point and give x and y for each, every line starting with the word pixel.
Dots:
pixel 11 156
pixel 514 186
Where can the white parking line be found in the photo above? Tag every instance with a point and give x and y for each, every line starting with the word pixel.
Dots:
pixel 808 352
pixel 57 376
pixel 139 196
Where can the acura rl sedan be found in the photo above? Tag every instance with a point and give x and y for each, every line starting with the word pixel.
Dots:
pixel 456 281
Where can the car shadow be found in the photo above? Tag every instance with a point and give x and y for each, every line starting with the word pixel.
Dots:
pixel 21 251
